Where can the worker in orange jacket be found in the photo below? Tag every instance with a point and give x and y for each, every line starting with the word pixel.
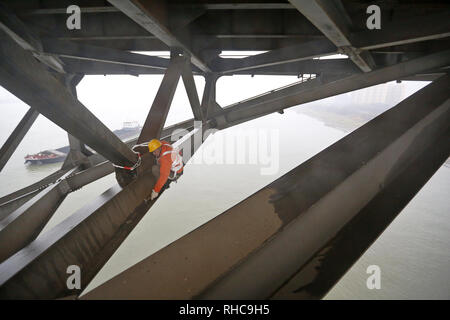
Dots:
pixel 169 165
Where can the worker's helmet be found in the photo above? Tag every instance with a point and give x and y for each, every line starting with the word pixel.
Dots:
pixel 153 145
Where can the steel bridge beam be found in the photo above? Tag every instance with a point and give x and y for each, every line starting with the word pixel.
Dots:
pixel 429 27
pixel 191 90
pixel 99 168
pixel 260 243
pixel 20 33
pixel 330 18
pixel 77 152
pixel 87 238
pixel 29 80
pixel 144 14
pixel 323 88
pixel 159 110
pixel 329 265
pixel 80 51
pixel 209 96
pixel 294 53
pixel 24 224
pixel 316 66
pixel 16 136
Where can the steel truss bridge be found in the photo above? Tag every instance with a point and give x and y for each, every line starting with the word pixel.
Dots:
pixel 294 238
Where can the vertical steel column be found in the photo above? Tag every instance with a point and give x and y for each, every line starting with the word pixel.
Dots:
pixel 209 95
pixel 16 136
pixel 191 90
pixel 78 151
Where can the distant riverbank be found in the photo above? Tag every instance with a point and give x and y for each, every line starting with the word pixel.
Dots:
pixel 345 117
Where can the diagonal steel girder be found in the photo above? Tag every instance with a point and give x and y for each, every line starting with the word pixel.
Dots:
pixel 24 224
pixel 16 136
pixel 253 250
pixel 25 38
pixel 330 18
pixel 99 168
pixel 159 110
pixel 30 81
pixel 319 88
pixel 191 90
pixel 144 14
pixel 87 238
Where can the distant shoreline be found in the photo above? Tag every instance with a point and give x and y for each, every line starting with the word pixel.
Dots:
pixel 343 121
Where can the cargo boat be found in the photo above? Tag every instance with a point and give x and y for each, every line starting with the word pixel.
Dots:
pixel 129 130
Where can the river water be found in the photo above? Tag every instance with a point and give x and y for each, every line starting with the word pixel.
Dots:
pixel 412 253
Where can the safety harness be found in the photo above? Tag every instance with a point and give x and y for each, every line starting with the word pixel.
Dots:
pixel 177 160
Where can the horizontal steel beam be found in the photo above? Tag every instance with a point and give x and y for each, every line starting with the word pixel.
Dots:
pixel 315 66
pixel 16 136
pixel 331 19
pixel 330 264
pixel 294 53
pixel 261 242
pixel 207 6
pixel 429 27
pixel 243 6
pixel 322 88
pixel 79 51
pixel 90 67
pixel 144 14
pixel 49 11
pixel 29 80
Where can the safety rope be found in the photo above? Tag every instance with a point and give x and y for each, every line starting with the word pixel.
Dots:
pixel 138 162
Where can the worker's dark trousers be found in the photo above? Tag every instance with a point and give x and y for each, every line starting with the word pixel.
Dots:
pixel 172 175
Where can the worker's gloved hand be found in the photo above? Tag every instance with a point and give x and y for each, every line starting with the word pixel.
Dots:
pixel 154 195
